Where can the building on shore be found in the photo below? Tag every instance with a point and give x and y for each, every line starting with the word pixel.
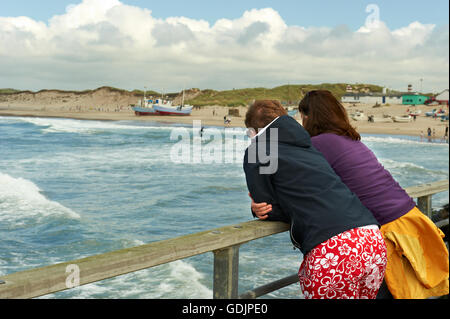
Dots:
pixel 442 98
pixel 372 98
pixel 414 99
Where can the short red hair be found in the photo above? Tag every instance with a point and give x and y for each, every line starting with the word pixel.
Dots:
pixel 262 112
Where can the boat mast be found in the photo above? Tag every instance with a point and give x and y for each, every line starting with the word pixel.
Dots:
pixel 182 101
pixel 145 90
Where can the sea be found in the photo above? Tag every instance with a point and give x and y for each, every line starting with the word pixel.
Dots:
pixel 71 188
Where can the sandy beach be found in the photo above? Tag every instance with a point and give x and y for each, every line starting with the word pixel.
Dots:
pixel 214 115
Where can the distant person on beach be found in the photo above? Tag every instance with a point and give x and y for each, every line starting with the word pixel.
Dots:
pixel 421 136
pixel 446 133
pixel 418 261
pixel 429 134
pixel 344 251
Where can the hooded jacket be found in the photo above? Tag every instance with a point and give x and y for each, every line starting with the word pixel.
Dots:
pixel 282 168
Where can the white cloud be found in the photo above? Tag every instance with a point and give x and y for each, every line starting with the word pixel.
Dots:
pixel 104 42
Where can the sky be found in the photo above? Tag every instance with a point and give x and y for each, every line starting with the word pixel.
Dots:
pixel 170 45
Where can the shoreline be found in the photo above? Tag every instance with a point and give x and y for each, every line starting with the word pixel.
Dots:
pixel 213 116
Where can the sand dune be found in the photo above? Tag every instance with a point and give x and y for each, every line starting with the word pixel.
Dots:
pixel 106 104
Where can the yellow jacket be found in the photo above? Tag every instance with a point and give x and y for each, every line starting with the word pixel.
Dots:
pixel 417 266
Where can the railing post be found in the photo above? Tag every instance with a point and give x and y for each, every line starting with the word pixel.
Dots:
pixel 424 204
pixel 226 273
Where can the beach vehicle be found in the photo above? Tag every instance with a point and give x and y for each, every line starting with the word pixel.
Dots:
pixel 431 101
pixel 402 119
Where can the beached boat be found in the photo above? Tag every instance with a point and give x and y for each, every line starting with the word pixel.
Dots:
pixel 183 110
pixel 416 112
pixel 436 113
pixel 382 120
pixel 145 108
pixel 430 113
pixel 359 116
pixel 166 108
pixel 402 119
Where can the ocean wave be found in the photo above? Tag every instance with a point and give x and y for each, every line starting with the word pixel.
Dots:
pixel 392 164
pixel 396 140
pixel 57 125
pixel 21 199
pixel 175 280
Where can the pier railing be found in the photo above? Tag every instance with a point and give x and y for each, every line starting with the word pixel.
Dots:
pixel 223 242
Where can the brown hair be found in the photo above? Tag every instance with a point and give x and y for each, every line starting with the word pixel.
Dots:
pixel 326 115
pixel 262 112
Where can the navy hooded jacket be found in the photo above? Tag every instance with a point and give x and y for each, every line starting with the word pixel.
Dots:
pixel 303 190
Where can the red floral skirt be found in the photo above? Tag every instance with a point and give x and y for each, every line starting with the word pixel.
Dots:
pixel 350 265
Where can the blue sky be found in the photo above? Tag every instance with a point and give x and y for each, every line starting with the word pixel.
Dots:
pixel 319 13
pixel 244 43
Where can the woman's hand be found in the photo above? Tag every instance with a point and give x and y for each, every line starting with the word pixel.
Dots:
pixel 261 210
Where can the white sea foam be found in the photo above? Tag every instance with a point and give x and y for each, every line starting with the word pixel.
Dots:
pixel 55 125
pixel 21 199
pixel 392 165
pixel 396 140
pixel 176 280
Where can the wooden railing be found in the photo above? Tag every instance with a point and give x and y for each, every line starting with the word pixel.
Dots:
pixel 224 242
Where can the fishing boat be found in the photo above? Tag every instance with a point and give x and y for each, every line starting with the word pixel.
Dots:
pixel 163 107
pixel 166 108
pixel 145 108
pixel 402 119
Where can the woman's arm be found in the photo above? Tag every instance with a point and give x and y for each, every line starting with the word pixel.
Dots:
pixel 262 191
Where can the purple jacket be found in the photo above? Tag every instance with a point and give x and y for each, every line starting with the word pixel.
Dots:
pixel 360 170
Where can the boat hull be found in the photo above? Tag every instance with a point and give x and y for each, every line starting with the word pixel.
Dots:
pixel 402 119
pixel 162 110
pixel 142 111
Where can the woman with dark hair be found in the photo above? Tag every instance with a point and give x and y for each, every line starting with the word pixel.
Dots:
pixel 417 256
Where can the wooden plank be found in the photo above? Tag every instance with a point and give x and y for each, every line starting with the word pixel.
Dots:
pixel 424 205
pixel 270 287
pixel 427 189
pixel 50 279
pixel 226 273
pixel 442 223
